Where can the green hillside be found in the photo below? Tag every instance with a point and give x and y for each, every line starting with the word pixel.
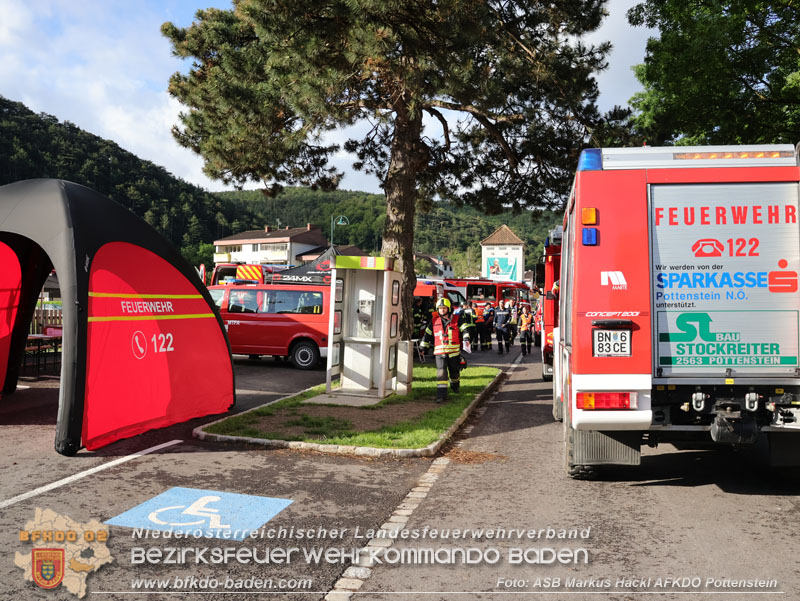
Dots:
pixel 448 230
pixel 39 145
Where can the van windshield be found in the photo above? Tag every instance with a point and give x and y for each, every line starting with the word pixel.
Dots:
pixel 216 296
pixel 456 298
pixel 481 291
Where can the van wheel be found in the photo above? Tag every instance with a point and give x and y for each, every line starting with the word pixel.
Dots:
pixel 304 355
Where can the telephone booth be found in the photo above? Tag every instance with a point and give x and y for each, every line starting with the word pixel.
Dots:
pixel 364 327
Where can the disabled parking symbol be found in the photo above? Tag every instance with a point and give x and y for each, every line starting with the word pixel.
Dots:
pixel 202 513
pixel 198 508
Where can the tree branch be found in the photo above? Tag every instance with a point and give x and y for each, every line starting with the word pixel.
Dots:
pixel 443 121
pixel 474 110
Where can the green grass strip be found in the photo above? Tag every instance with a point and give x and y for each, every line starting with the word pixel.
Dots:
pixel 413 434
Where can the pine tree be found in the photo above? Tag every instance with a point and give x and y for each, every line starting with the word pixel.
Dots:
pixel 505 81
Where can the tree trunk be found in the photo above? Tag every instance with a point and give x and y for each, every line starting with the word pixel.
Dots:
pixel 407 159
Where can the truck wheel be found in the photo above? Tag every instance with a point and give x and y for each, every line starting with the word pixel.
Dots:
pixel 576 472
pixel 558 408
pixel 304 355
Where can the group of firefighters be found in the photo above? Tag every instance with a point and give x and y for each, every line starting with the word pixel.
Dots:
pixel 474 322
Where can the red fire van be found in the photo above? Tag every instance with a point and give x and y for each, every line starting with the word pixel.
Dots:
pixel 283 320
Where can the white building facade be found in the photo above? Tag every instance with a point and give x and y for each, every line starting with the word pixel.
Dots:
pixel 269 246
pixel 503 256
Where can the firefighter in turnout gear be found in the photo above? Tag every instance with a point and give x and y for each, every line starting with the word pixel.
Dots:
pixel 525 323
pixel 443 331
pixel 488 317
pixel 420 317
pixel 480 325
pixel 468 325
pixel 502 319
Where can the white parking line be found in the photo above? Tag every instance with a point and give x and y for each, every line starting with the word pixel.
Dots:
pixel 83 474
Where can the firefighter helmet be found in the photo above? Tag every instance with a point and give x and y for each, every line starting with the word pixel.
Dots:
pixel 445 302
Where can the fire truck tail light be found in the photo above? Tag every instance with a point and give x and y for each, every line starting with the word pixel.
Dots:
pixel 606 400
pixel 589 216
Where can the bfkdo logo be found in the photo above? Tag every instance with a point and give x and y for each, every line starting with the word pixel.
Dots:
pixel 66 552
pixel 48 567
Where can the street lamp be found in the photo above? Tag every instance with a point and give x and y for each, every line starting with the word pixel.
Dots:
pixel 340 220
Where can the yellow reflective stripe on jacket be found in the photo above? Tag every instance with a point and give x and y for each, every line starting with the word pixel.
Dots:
pixel 446 349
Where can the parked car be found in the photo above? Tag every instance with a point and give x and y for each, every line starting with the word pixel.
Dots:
pixel 282 320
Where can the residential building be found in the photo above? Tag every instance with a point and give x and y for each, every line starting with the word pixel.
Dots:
pixel 503 256
pixel 433 265
pixel 270 246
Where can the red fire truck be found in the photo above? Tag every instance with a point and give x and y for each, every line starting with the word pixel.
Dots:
pixel 492 291
pixel 679 310
pixel 549 301
pixel 241 273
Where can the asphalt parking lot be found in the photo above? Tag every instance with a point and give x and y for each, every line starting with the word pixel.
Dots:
pixel 681 514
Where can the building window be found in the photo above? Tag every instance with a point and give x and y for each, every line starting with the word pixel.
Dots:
pixel 275 252
pixel 276 248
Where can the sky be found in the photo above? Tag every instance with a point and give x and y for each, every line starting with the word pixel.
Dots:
pixel 104 66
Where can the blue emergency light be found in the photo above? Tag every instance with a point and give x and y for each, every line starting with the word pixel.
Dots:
pixel 591 159
pixel 589 235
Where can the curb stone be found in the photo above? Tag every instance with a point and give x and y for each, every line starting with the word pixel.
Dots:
pixel 428 451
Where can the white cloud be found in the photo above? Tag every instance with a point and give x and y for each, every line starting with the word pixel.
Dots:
pixel 105 66
pixel 617 83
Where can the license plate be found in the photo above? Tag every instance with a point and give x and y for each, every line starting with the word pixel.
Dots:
pixel 611 343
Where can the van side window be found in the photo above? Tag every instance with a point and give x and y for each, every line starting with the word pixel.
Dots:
pixel 292 301
pixel 242 301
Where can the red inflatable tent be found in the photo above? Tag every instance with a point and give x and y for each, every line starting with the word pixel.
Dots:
pixel 143 344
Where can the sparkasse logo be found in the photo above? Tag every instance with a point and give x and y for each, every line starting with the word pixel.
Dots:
pixel 615 279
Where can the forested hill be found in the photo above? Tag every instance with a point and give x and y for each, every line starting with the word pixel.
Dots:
pixel 454 232
pixel 38 145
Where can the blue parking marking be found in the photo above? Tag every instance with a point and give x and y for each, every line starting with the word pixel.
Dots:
pixel 202 513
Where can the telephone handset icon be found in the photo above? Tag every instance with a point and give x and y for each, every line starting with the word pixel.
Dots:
pixel 708 247
pixel 139 345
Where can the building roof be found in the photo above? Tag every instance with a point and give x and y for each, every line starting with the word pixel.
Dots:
pixel 348 251
pixel 502 235
pixel 435 263
pixel 311 234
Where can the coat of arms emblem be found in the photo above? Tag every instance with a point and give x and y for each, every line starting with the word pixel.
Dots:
pixel 48 567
